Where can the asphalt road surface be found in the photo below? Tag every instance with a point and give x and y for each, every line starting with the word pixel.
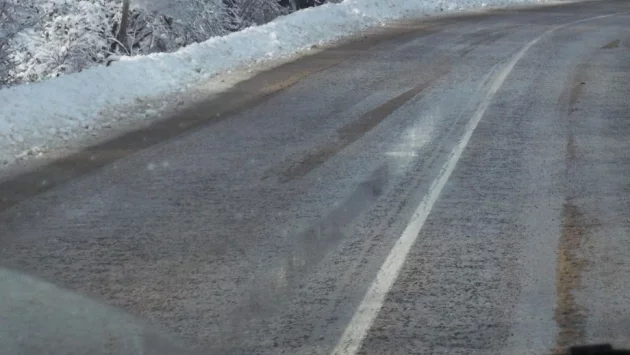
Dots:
pixel 457 186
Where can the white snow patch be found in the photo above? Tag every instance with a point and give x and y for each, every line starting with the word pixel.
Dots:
pixel 46 115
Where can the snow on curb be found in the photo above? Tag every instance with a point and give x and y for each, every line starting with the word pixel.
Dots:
pixel 49 113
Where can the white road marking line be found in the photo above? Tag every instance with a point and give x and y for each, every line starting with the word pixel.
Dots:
pixel 355 332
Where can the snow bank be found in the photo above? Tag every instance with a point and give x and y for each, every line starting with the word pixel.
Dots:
pixel 47 114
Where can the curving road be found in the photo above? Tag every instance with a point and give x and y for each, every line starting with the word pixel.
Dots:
pixel 457 186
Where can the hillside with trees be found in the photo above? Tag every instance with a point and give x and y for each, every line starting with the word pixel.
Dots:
pixel 41 39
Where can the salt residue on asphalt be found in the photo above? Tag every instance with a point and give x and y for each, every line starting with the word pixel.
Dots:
pixel 54 113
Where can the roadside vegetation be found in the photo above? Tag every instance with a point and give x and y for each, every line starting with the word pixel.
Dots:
pixel 41 39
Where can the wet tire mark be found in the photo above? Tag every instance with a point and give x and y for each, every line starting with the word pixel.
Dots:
pixel 315 243
pixel 310 247
pixel 484 41
pixel 484 35
pixel 569 315
pixel 613 44
pixel 353 131
pixel 576 91
pixel 485 38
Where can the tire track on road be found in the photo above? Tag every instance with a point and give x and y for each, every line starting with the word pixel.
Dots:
pixel 353 131
pixel 569 315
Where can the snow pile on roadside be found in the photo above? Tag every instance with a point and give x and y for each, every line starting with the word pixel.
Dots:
pixel 47 114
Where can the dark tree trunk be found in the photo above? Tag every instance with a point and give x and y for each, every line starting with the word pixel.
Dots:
pixel 121 37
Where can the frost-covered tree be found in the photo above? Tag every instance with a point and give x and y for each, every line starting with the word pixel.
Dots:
pixel 70 36
pixel 15 16
pixel 245 13
pixel 199 20
pixel 191 21
pixel 42 39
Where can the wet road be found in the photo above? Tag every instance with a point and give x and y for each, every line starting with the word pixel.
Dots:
pixel 459 186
